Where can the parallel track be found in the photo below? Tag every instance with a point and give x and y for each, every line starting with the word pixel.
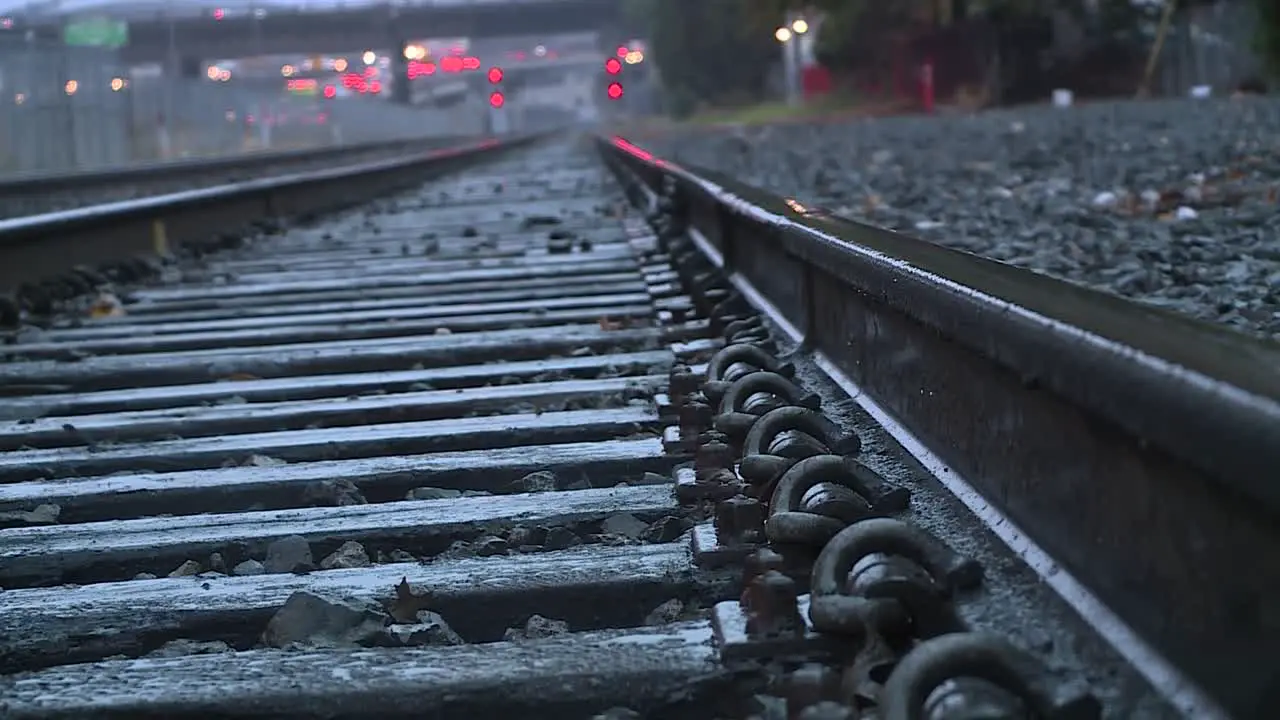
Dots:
pixel 29 193
pixel 452 455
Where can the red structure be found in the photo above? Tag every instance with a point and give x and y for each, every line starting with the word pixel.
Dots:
pixel 815 81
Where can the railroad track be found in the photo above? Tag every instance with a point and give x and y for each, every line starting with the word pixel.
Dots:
pixel 29 194
pixel 507 444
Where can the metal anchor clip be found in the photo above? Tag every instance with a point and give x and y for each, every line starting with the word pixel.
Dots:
pixel 755 394
pixel 910 606
pixel 749 330
pixel 957 674
pixel 782 437
pixel 821 495
pixel 832 610
pixel 733 362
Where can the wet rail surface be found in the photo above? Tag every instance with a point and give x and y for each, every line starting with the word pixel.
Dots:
pixel 469 452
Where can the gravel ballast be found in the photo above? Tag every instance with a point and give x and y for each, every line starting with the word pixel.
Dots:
pixel 1173 203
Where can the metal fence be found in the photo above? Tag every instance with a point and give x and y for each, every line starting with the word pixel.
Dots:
pixel 64 109
pixel 58 110
pixel 1211 46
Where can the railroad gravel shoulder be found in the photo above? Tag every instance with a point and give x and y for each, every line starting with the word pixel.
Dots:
pixel 1173 203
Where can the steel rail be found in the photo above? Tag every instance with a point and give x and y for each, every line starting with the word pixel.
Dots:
pixel 26 185
pixel 1129 454
pixel 40 246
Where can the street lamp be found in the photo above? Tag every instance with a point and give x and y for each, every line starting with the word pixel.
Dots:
pixel 789 36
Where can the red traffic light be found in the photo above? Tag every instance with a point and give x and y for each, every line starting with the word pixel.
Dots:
pixel 497 100
pixel 495 75
pixel 613 66
pixel 614 90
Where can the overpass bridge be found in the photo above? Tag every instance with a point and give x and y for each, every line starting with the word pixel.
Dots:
pixel 209 33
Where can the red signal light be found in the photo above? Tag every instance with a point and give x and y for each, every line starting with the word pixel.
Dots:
pixel 613 66
pixel 614 90
pixel 217 14
pixel 330 91
pixel 622 51
pixel 495 75
pixel 496 99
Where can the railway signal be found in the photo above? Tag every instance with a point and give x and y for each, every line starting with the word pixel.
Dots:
pixel 497 98
pixel 613 68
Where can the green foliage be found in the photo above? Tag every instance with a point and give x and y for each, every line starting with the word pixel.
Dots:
pixel 712 51
pixel 1267 34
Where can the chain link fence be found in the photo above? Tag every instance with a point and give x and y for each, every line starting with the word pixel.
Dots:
pixel 64 109
pixel 58 111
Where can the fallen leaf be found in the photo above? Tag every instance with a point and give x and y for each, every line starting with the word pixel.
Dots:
pixel 106 305
pixel 237 377
pixel 406 605
pixel 607 324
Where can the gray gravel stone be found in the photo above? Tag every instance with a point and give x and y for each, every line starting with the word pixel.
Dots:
pixel 248 567
pixel 181 647
pixel 1172 203
pixel 350 555
pixel 186 569
pixel 309 619
pixel 430 630
pixel 537 627
pixel 289 554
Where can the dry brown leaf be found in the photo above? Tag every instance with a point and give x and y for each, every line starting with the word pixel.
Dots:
pixel 238 377
pixel 607 324
pixel 106 305
pixel 408 603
